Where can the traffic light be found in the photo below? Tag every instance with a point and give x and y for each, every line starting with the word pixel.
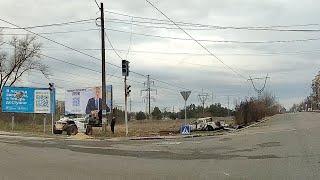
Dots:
pixel 51 86
pixel 125 68
pixel 128 90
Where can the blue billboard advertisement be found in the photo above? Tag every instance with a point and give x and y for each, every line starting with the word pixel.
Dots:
pixel 27 100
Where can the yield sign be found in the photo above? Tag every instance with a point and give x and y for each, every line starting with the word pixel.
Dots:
pixel 185 94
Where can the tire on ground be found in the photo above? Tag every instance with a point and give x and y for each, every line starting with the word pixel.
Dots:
pixel 72 130
pixel 89 130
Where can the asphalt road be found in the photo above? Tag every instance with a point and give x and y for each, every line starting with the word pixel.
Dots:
pixel 285 147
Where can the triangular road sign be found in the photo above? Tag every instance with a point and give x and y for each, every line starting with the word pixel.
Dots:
pixel 185 94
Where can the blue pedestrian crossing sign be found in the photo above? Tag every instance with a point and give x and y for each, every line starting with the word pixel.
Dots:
pixel 185 129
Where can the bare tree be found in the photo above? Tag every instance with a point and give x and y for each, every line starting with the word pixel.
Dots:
pixel 25 58
pixel 315 96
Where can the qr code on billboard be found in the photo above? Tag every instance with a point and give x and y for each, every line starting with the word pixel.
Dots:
pixel 42 101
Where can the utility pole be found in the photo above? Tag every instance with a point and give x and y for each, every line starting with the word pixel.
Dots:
pixel 148 97
pixel 259 91
pixel 149 94
pixel 103 66
pixel 212 97
pixel 203 97
pixel 228 105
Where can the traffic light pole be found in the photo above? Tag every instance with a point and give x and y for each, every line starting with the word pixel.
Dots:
pixel 53 103
pixel 126 104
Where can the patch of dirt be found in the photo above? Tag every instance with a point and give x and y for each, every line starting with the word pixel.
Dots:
pixel 269 144
pixel 81 136
pixel 225 139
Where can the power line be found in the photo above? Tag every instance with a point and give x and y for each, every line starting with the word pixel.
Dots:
pixel 54 32
pixel 131 32
pixel 73 49
pixel 256 28
pixel 77 65
pixel 50 25
pixel 83 67
pixel 113 47
pixel 218 41
pixel 68 47
pixel 208 28
pixel 198 54
pixel 177 38
pixel 229 67
pixel 138 73
pixel 164 20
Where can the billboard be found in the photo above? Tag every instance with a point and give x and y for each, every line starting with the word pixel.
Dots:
pixel 26 100
pixel 86 100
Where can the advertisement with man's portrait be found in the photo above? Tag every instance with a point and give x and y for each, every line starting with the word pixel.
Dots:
pixel 87 100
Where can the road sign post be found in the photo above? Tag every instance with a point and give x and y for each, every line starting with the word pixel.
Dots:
pixel 12 122
pixel 44 123
pixel 185 95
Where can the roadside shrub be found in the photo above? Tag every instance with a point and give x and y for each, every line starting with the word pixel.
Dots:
pixel 156 113
pixel 254 109
pixel 141 116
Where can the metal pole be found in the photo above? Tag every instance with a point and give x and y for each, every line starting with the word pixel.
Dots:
pixel 44 123
pixel 52 122
pixel 125 104
pixel 130 105
pixel 53 108
pixel 104 99
pixel 228 107
pixel 12 122
pixel 185 112
pixel 212 97
pixel 149 96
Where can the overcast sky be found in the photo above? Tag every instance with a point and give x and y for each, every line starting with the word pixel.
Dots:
pixel 183 63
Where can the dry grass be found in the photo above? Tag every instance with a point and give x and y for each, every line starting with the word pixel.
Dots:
pixel 143 128
pixel 22 127
pixel 149 128
pixel 136 128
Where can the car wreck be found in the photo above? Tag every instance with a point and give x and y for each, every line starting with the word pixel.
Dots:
pixel 205 124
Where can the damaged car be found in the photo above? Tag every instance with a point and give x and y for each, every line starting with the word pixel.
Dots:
pixel 205 124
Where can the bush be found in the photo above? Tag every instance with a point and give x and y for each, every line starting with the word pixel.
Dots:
pixel 141 116
pixel 156 113
pixel 255 109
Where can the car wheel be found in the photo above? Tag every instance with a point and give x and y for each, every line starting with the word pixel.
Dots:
pixel 209 128
pixel 55 131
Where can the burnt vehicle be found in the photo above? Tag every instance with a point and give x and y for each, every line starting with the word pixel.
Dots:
pixel 205 124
